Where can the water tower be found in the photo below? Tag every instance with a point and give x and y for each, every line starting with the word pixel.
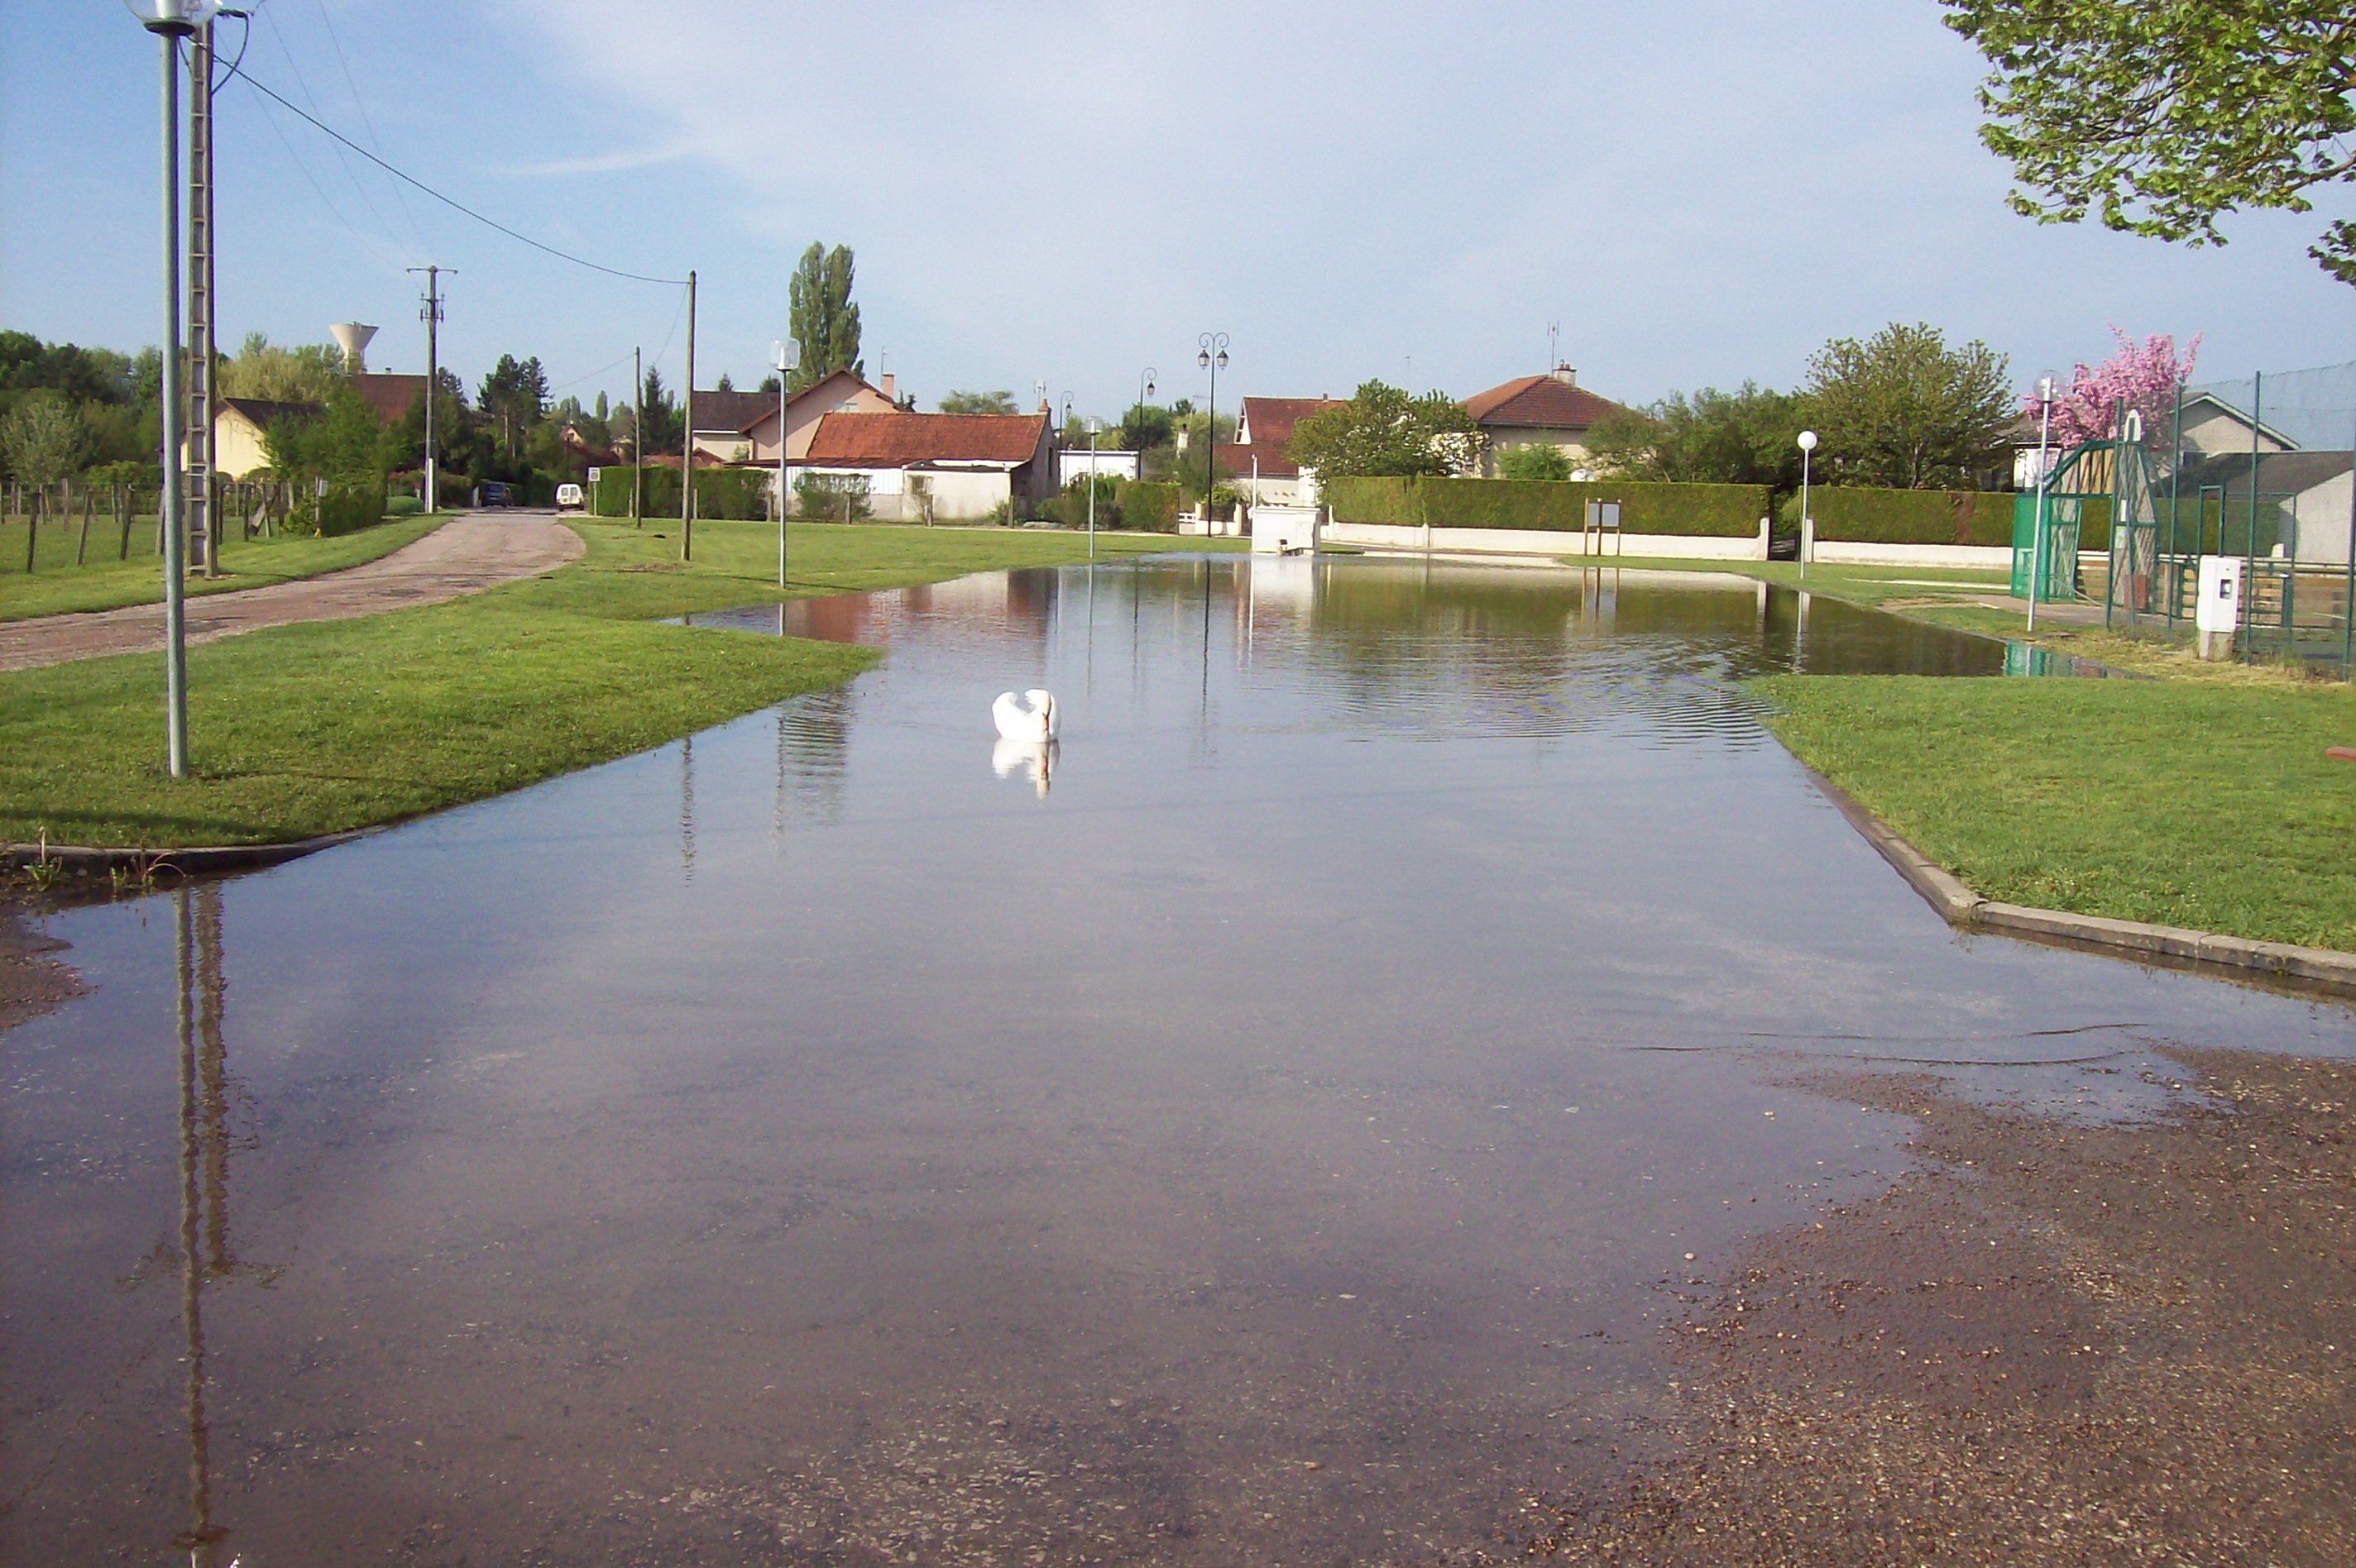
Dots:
pixel 353 340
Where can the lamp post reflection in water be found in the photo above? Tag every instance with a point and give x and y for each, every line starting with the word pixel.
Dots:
pixel 204 1180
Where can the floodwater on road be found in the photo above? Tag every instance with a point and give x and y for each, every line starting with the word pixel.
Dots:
pixel 1275 1126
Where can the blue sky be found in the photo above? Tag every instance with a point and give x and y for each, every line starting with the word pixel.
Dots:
pixel 1068 193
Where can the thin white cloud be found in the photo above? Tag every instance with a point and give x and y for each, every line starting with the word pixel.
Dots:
pixel 593 163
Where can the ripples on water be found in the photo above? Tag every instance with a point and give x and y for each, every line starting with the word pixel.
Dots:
pixel 1281 1135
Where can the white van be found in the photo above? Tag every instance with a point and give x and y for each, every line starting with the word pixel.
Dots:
pixel 568 498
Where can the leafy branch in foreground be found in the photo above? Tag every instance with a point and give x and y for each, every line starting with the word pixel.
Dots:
pixel 2160 117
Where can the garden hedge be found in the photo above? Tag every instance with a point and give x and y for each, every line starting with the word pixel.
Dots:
pixel 1714 511
pixel 1150 505
pixel 738 493
pixel 341 508
pixel 1855 514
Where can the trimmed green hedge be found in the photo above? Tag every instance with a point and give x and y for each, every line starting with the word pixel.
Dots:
pixel 1857 515
pixel 1714 511
pixel 738 493
pixel 345 508
pixel 1148 504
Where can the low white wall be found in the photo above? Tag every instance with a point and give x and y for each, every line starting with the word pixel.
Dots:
pixel 1537 541
pixel 1951 557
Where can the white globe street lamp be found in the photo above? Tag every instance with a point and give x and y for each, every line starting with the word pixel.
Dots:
pixel 787 356
pixel 1807 524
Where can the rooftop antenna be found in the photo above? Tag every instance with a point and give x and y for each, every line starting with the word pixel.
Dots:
pixel 1554 343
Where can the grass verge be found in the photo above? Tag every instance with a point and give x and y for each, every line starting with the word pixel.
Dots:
pixel 310 729
pixel 59 587
pixel 2187 803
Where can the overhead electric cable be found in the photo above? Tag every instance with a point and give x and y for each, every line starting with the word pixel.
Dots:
pixel 366 123
pixel 450 201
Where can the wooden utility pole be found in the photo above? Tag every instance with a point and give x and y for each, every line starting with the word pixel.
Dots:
pixel 637 434
pixel 687 442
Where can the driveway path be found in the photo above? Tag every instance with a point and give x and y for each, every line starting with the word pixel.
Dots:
pixel 463 555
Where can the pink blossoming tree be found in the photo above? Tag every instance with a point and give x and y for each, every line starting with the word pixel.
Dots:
pixel 2145 376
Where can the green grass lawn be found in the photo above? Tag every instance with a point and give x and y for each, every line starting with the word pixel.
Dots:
pixel 57 586
pixel 303 730
pixel 2206 803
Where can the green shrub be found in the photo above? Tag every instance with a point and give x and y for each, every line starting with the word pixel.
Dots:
pixel 343 508
pixel 403 505
pixel 1147 504
pixel 831 498
pixel 1070 507
pixel 1534 460
pixel 726 493
pixel 1714 511
pixel 1859 514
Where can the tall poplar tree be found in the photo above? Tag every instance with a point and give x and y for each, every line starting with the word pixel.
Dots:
pixel 824 321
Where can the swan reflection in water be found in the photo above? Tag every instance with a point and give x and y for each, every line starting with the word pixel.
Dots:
pixel 1035 758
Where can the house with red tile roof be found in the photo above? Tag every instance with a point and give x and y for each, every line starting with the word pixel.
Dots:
pixel 742 427
pixel 936 466
pixel 1254 463
pixel 1553 410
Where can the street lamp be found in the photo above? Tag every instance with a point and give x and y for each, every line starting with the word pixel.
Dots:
pixel 170 21
pixel 1807 526
pixel 1093 426
pixel 1213 358
pixel 2036 538
pixel 787 356
pixel 1145 379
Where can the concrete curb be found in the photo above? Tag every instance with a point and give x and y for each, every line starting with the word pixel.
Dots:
pixel 199 860
pixel 2321 968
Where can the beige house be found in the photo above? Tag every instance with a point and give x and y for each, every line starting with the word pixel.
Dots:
pixel 239 424
pixel 1552 410
pixel 742 427
pixel 1254 463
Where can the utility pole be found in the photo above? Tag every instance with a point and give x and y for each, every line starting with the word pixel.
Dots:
pixel 201 335
pixel 637 434
pixel 687 452
pixel 170 24
pixel 432 316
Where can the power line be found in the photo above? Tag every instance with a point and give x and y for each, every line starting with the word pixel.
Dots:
pixel 450 201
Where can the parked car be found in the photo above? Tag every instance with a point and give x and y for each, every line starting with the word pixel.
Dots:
pixel 492 493
pixel 569 499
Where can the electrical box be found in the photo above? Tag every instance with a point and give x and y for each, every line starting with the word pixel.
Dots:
pixel 2218 614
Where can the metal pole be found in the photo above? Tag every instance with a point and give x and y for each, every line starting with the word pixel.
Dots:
pixel 2348 618
pixel 1092 498
pixel 637 435
pixel 1805 539
pixel 2250 529
pixel 781 471
pixel 176 629
pixel 687 450
pixel 2176 509
pixel 2037 528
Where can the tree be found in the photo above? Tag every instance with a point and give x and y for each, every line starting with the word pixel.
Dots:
pixel 770 384
pixel 822 318
pixel 2161 117
pixel 1534 460
pixel 1145 427
pixel 452 433
pixel 1903 410
pixel 1745 437
pixel 43 439
pixel 305 373
pixel 725 385
pixel 998 402
pixel 345 441
pixel 662 432
pixel 514 396
pixel 1381 430
pixel 2144 375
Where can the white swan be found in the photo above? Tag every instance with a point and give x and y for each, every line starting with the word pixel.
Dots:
pixel 1020 719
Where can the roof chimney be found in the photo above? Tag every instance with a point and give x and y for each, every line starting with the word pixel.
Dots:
pixel 1566 375
pixel 891 393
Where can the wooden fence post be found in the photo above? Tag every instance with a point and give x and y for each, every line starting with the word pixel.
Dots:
pixel 33 524
pixel 122 517
pixel 81 545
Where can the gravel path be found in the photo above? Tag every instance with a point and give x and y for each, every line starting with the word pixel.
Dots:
pixel 464 555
